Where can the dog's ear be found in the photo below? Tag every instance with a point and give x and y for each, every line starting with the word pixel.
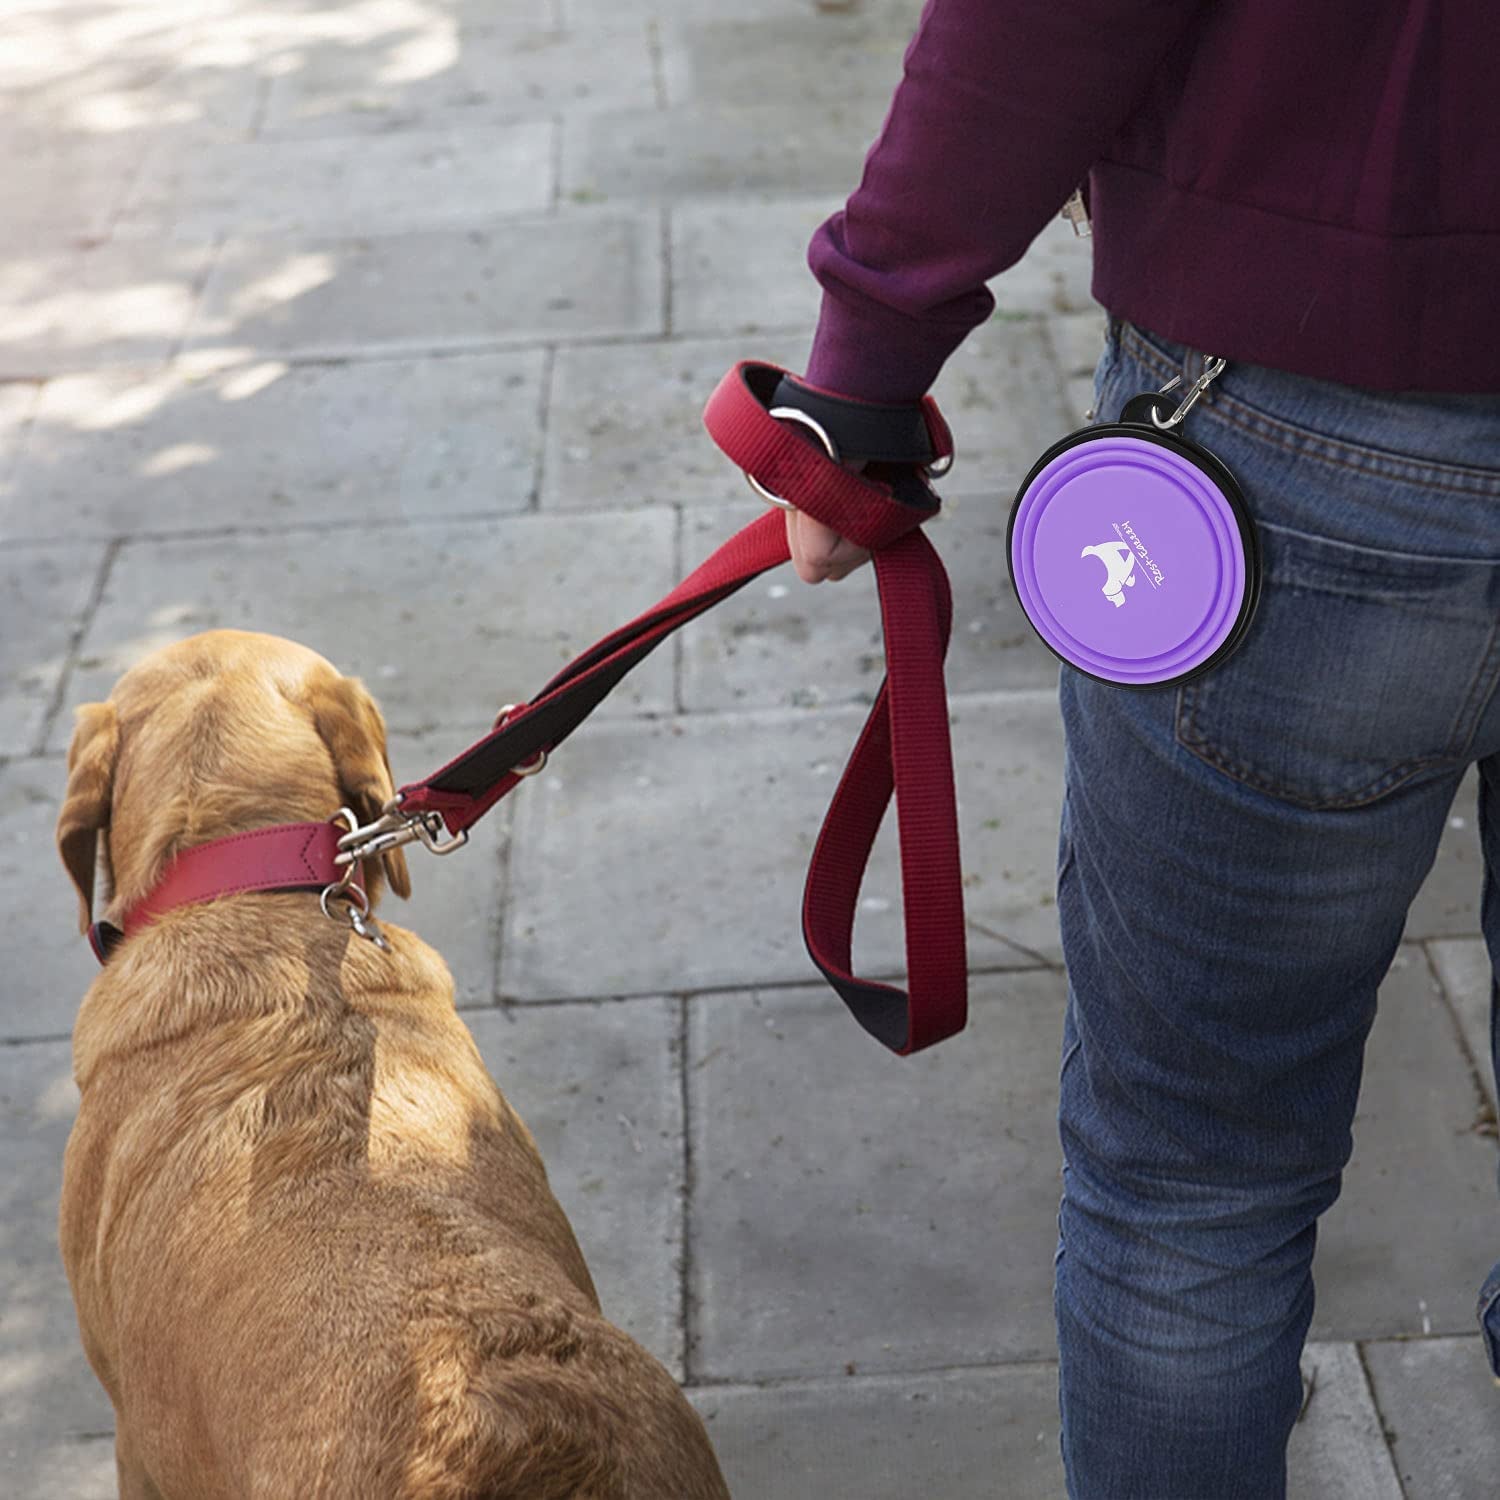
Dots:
pixel 85 809
pixel 349 724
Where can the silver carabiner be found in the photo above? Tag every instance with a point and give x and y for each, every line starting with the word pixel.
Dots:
pixel 1211 371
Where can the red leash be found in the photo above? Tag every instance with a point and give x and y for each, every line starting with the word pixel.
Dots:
pixel 903 749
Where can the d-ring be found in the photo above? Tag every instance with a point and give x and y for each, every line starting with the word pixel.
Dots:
pixel 538 762
pixel 795 415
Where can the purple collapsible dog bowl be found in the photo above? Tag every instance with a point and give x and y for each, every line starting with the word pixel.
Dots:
pixel 1133 553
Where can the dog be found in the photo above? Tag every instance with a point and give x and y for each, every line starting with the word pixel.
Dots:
pixel 312 1248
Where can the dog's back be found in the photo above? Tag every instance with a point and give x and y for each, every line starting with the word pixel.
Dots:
pixel 314 1249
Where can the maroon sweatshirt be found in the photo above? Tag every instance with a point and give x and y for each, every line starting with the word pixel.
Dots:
pixel 1312 185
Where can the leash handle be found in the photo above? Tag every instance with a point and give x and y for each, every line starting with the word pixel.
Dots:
pixel 903 750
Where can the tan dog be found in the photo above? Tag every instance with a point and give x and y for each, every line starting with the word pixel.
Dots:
pixel 312 1248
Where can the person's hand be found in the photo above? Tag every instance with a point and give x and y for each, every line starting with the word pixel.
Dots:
pixel 818 552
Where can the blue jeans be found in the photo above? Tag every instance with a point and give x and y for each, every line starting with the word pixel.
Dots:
pixel 1235 862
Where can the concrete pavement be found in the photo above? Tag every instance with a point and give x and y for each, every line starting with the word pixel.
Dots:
pixel 389 326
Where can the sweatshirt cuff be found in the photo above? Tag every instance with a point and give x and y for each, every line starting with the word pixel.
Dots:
pixel 881 355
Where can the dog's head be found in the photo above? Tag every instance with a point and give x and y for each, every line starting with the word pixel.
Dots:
pixel 218 734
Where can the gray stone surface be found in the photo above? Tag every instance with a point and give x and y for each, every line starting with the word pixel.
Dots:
pixel 118 303
pixel 854 57
pixel 46 592
pixel 1448 903
pixel 17 402
pixel 409 180
pixel 671 856
pixel 991 1432
pixel 798 144
pixel 847 1203
pixel 583 273
pixel 1463 965
pixel 67 1469
pixel 61 190
pixel 456 901
pixel 1416 1228
pixel 599 1087
pixel 51 1396
pixel 310 427
pixel 513 68
pixel 1336 1451
pixel 739 264
pixel 778 643
pixel 47 963
pixel 402 608
pixel 888 1437
pixel 1442 1408
pixel 625 423
pixel 264 444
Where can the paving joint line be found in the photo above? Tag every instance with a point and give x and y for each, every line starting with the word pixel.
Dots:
pixel 75 643
pixel 546 401
pixel 813 982
pixel 1387 1432
pixel 1484 1110
pixel 872 1377
pixel 199 293
pixel 687 1310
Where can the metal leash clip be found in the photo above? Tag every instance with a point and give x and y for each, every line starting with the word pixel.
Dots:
pixel 392 829
pixel 359 901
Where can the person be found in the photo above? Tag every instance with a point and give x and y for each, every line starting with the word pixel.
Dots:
pixel 1311 192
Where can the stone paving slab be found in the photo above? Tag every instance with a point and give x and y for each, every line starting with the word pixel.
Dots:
pixel 119 303
pixel 1415 1231
pixel 48 963
pixel 625 423
pixel 1448 903
pixel 60 190
pixel 599 1087
pixel 1442 1408
pixel 955 1433
pixel 264 444
pixel 1463 965
pixel 1337 1450
pixel 626 420
pixel 455 902
pixel 779 643
pixel 589 13
pixel 46 592
pixel 822 56
pixel 18 400
pixel 794 144
pixel 850 1205
pixel 379 184
pixel 51 1395
pixel 581 274
pixel 889 1437
pixel 739 265
pixel 517 69
pixel 671 857
pixel 444 623
pixel 64 1469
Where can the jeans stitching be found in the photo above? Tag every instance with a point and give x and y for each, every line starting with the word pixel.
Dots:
pixel 1192 739
pixel 1302 442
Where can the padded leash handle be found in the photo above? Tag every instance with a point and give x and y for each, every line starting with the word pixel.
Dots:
pixel 903 751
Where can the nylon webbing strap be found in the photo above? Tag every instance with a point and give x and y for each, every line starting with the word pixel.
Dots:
pixel 903 750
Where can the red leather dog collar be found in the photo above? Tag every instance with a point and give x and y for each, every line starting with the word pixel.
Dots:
pixel 286 857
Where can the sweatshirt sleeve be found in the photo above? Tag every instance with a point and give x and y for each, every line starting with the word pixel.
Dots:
pixel 1001 109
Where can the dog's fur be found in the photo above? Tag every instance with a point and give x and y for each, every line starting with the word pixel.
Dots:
pixel 312 1248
